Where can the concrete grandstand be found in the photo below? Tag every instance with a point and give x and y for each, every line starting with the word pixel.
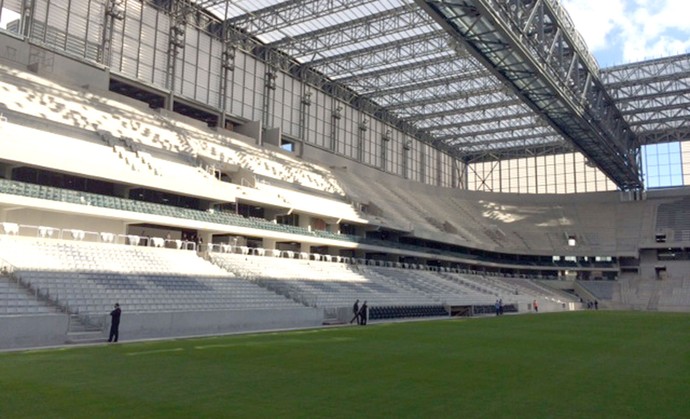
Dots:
pixel 217 166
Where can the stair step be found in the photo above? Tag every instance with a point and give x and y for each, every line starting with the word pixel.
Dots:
pixel 85 337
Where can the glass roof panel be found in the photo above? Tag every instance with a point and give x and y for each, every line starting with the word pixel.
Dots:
pixel 443 100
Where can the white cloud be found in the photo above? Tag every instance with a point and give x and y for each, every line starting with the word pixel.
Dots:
pixel 632 30
pixel 594 19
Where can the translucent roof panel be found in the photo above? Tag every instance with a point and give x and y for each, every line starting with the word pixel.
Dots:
pixel 394 54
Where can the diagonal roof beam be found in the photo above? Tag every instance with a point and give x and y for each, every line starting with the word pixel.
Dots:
pixel 654 97
pixel 470 104
pixel 290 13
pixel 448 97
pixel 504 133
pixel 410 74
pixel 389 53
pixel 438 87
pixel 385 24
pixel 518 151
pixel 524 138
pixel 668 68
pixel 665 135
pixel 429 65
pixel 497 117
pixel 533 48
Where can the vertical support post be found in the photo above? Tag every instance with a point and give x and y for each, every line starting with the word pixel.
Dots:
pixel 406 157
pixel 305 103
pixel 27 17
pixel 385 140
pixel 178 27
pixel 361 134
pixel 114 11
pixel 269 88
pixel 227 66
pixel 335 117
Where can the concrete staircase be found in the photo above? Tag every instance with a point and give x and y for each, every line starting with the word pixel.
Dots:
pixel 81 332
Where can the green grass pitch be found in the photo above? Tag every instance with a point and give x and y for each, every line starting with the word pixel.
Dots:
pixel 566 365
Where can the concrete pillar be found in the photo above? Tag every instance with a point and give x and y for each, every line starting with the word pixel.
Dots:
pixel 304 221
pixel 269 243
pixel 304 247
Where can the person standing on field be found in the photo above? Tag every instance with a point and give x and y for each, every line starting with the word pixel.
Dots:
pixel 115 324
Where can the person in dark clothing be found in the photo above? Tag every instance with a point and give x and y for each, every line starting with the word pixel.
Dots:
pixel 363 314
pixel 115 323
pixel 355 311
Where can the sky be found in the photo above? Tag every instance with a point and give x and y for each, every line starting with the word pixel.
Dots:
pixel 625 31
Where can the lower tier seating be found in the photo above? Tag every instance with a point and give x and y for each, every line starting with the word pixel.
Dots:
pixel 88 278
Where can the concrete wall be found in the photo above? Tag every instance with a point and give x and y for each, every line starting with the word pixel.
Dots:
pixel 33 217
pixel 51 330
pixel 546 306
pixel 32 331
pixel 177 324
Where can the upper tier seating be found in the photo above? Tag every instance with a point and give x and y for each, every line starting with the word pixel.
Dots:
pixel 133 129
pixel 106 201
pixel 675 216
pixel 539 224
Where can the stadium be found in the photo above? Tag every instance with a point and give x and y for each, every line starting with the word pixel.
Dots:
pixel 219 167
pixel 236 174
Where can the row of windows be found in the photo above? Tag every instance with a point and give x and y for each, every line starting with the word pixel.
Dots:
pixel 665 164
pixel 562 173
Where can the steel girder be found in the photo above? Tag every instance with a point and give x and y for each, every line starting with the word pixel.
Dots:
pixel 484 155
pixel 431 88
pixel 341 37
pixel 448 100
pixel 349 54
pixel 511 134
pixel 654 96
pixel 665 135
pixel 390 53
pixel 290 13
pixel 531 46
pixel 518 139
pixel 480 121
pixel 468 107
pixel 430 65
pixel 409 74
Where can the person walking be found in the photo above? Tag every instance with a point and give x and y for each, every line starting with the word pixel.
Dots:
pixel 115 324
pixel 363 314
pixel 355 311
pixel 536 307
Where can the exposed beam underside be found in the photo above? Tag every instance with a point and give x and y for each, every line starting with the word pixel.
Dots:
pixel 392 53
pixel 526 46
